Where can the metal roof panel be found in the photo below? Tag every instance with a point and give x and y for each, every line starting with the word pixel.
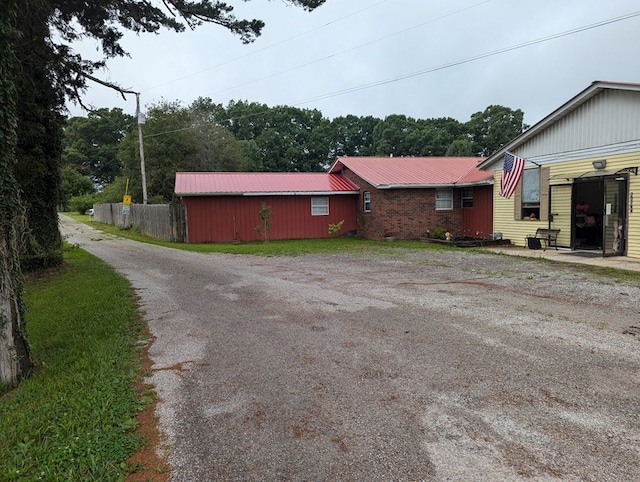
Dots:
pixel 238 183
pixel 414 171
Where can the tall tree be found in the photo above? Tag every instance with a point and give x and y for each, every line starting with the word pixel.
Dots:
pixel 218 149
pixel 494 127
pixel 353 136
pixel 14 354
pixel 50 27
pixel 169 144
pixel 74 184
pixel 177 138
pixel 40 124
pixel 285 136
pixel 391 135
pixel 91 143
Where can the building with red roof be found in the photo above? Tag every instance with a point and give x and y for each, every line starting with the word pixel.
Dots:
pixel 375 197
pixel 410 197
pixel 225 206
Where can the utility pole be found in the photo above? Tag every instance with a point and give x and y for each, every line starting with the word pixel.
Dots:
pixel 141 121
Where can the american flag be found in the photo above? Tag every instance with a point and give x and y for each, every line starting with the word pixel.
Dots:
pixel 511 174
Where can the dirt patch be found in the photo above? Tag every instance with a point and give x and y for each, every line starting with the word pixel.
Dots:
pixel 147 463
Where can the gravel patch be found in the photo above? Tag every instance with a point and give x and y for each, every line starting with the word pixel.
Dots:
pixel 409 365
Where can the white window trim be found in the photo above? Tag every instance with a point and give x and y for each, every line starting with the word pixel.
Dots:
pixel 366 201
pixel 448 200
pixel 320 206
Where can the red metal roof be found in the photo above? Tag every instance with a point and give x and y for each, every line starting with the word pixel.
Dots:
pixel 256 183
pixel 395 172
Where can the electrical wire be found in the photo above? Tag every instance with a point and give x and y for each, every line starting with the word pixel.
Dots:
pixel 443 67
pixel 467 60
pixel 288 39
pixel 366 44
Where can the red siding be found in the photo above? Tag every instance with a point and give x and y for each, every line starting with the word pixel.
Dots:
pixel 479 218
pixel 234 218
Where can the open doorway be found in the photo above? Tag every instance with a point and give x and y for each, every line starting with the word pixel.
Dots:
pixel 588 214
pixel 599 214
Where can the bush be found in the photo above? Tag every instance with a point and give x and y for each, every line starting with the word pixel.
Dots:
pixel 82 204
pixel 334 228
pixel 440 233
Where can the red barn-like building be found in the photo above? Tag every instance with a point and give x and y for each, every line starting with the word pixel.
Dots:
pixel 225 206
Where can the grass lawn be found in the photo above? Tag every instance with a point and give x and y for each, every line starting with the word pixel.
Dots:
pixel 74 419
pixel 288 247
pixel 354 245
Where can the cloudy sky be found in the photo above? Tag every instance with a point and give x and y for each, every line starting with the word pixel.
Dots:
pixel 421 58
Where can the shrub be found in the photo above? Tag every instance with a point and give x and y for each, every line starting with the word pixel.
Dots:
pixel 334 228
pixel 439 233
pixel 82 204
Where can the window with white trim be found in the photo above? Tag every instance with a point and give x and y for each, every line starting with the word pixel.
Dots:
pixel 319 206
pixel 366 196
pixel 444 199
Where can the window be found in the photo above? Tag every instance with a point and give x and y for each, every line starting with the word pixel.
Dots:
pixel 319 206
pixel 366 196
pixel 467 197
pixel 444 199
pixel 531 193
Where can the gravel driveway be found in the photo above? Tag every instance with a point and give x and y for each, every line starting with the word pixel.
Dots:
pixel 412 365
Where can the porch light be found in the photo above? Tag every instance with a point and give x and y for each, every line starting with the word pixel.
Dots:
pixel 601 164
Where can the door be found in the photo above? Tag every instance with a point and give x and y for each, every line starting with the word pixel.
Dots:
pixel 614 216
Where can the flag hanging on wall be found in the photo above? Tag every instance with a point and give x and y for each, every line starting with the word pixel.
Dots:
pixel 511 174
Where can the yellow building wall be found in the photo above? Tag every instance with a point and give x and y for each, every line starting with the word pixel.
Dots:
pixel 518 230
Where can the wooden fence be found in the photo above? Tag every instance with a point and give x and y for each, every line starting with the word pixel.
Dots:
pixel 160 221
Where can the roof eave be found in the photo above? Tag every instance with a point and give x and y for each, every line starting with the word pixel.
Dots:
pixel 434 186
pixel 266 193
pixel 569 106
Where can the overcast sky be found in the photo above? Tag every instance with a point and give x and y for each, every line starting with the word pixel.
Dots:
pixel 421 58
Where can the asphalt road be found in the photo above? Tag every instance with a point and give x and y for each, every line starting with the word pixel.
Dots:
pixel 408 365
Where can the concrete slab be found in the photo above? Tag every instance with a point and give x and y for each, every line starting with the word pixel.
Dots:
pixel 592 258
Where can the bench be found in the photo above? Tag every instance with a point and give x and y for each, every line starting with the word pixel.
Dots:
pixel 547 237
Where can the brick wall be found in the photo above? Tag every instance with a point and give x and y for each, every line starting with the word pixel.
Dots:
pixel 403 213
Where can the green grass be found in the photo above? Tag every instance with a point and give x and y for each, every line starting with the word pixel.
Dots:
pixel 289 247
pixel 74 418
pixel 354 245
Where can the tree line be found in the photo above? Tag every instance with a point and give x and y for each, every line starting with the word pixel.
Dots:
pixel 101 151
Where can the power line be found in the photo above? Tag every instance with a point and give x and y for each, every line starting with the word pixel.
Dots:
pixel 226 62
pixel 366 44
pixel 467 60
pixel 442 67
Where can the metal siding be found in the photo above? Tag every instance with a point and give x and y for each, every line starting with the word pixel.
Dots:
pixel 608 118
pixel 479 218
pixel 234 218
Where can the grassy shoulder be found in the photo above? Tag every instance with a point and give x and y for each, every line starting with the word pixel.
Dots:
pixel 74 419
pixel 354 245
pixel 288 247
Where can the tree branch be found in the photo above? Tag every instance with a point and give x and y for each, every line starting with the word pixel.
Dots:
pixel 109 85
